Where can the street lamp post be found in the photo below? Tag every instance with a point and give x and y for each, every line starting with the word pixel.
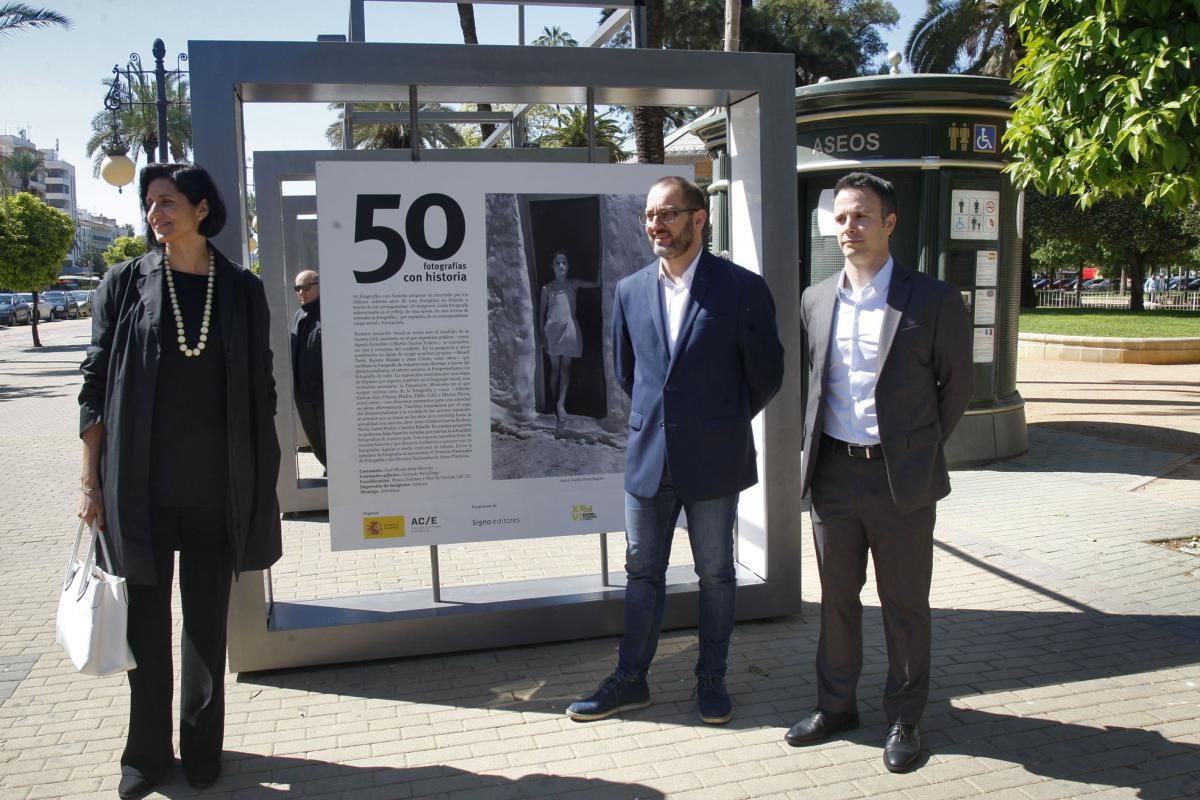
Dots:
pixel 117 168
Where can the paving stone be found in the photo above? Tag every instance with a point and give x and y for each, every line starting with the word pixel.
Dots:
pixel 1066 654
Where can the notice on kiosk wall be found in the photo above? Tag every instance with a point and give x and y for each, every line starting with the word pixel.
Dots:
pixel 985 306
pixel 444 304
pixel 986 267
pixel 974 214
pixel 984 348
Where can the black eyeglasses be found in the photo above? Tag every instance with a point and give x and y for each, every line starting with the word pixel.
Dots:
pixel 302 286
pixel 667 216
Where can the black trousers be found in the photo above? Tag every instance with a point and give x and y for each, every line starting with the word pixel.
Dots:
pixel 205 574
pixel 312 420
pixel 852 513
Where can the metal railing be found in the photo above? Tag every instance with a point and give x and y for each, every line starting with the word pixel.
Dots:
pixel 1154 301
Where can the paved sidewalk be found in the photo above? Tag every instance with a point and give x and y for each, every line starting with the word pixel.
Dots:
pixel 1067 645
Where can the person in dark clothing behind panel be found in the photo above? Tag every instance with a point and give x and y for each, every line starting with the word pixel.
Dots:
pixel 308 381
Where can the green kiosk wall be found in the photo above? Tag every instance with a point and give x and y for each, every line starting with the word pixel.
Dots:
pixel 937 139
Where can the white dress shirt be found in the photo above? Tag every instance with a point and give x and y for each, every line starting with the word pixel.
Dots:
pixel 676 295
pixel 854 359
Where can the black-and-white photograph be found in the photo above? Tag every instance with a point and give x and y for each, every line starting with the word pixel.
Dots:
pixel 553 265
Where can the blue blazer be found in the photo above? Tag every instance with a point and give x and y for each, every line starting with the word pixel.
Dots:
pixel 691 407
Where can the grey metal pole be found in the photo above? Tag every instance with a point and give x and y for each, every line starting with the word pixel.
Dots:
pixel 160 84
pixel 604 559
pixel 413 134
pixel 436 573
pixel 591 123
pixel 637 21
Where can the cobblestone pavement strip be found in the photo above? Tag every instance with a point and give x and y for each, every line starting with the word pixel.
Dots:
pixel 1067 647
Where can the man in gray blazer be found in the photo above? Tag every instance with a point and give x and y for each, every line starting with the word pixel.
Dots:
pixel 892 374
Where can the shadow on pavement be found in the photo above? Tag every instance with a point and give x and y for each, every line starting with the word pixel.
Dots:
pixel 1128 433
pixel 976 652
pixel 1158 768
pixel 246 775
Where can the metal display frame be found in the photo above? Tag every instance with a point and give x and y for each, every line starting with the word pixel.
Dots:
pixel 757 92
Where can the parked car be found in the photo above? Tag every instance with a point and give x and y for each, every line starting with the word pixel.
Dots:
pixel 13 311
pixel 1098 285
pixel 1041 283
pixel 1180 283
pixel 62 306
pixel 84 300
pixel 44 311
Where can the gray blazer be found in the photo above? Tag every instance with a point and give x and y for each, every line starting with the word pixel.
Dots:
pixel 925 382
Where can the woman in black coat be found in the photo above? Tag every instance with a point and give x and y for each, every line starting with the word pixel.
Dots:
pixel 179 454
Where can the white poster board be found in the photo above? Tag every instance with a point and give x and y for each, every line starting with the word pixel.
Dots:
pixel 437 330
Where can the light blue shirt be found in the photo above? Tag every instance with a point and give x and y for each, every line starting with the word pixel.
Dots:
pixel 676 296
pixel 854 359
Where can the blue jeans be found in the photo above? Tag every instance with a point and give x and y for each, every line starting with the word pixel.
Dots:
pixel 649 527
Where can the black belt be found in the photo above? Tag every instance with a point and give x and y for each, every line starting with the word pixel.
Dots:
pixel 867 451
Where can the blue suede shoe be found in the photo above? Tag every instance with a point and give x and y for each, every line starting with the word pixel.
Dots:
pixel 715 706
pixel 613 697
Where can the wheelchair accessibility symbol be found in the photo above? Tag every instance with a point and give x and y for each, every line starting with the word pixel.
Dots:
pixel 985 138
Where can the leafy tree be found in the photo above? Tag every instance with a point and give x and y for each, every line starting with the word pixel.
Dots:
pixel 392 135
pixel 971 36
pixel 92 259
pixel 568 128
pixel 1111 100
pixel 831 38
pixel 1115 234
pixel 137 123
pixel 34 239
pixel 555 37
pixel 124 248
pixel 16 16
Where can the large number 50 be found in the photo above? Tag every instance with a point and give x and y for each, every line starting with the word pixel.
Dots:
pixel 365 229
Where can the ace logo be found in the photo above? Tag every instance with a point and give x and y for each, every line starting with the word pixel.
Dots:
pixel 415 231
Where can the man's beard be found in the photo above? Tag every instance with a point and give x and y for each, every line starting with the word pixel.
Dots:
pixel 679 244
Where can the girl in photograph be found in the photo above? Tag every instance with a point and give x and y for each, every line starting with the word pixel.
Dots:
pixel 561 336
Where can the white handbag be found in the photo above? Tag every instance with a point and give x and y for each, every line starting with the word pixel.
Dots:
pixel 93 612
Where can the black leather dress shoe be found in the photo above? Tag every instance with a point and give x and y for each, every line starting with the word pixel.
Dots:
pixel 819 726
pixel 902 747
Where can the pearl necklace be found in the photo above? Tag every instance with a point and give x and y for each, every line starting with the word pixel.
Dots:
pixel 191 352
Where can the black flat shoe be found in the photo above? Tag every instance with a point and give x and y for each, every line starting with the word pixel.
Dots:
pixel 819 726
pixel 902 747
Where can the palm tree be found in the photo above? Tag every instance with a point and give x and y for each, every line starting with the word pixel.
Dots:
pixel 568 128
pixel 648 121
pixel 23 166
pixel 466 21
pixel 16 16
pixel 392 135
pixel 974 31
pixel 555 37
pixel 137 122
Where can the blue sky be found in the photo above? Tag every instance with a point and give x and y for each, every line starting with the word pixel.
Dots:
pixel 52 85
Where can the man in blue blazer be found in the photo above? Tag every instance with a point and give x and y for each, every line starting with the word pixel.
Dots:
pixel 891 376
pixel 695 347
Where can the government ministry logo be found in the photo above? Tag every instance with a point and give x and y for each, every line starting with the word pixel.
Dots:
pixel 582 513
pixel 383 528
